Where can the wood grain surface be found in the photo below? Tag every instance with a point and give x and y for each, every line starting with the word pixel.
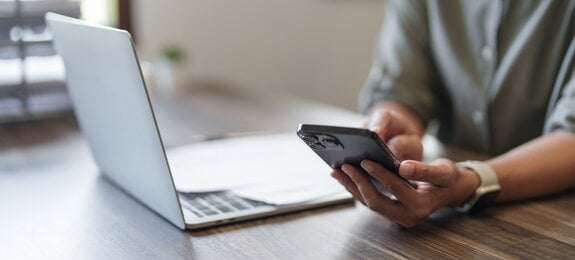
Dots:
pixel 55 205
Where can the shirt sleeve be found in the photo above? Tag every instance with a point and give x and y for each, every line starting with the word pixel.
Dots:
pixel 562 115
pixel 561 108
pixel 402 69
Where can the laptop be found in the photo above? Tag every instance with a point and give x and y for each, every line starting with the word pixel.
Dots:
pixel 115 115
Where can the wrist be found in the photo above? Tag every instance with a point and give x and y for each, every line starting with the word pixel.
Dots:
pixel 488 188
pixel 466 184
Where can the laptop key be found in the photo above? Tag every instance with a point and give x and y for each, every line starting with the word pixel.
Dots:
pixel 210 204
pixel 210 212
pixel 238 206
pixel 224 209
pixel 255 203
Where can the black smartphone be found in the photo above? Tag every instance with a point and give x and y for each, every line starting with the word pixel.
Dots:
pixel 344 145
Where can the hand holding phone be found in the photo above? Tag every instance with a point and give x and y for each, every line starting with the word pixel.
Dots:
pixel 344 145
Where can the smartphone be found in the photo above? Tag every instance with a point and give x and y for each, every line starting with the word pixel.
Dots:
pixel 344 145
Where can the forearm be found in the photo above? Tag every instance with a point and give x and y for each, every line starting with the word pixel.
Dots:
pixel 542 166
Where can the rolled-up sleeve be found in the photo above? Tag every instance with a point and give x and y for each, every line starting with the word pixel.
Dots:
pixel 561 109
pixel 402 69
pixel 563 114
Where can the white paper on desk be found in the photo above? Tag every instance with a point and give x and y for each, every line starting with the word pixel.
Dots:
pixel 277 169
pixel 290 191
pixel 244 162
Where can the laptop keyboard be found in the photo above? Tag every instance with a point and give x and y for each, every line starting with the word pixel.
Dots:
pixel 213 203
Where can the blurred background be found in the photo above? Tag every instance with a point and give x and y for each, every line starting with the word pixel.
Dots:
pixel 315 49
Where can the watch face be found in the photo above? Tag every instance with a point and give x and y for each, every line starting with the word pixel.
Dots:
pixel 484 202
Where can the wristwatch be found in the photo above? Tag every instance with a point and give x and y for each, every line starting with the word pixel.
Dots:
pixel 487 190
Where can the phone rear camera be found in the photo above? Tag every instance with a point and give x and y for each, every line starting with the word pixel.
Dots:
pixel 330 143
pixel 321 142
pixel 317 147
pixel 309 139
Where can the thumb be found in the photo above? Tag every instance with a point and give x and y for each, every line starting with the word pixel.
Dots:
pixel 440 172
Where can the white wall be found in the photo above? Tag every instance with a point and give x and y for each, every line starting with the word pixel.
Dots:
pixel 315 48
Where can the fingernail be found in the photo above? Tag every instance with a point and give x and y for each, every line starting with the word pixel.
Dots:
pixel 367 166
pixel 345 168
pixel 334 174
pixel 407 169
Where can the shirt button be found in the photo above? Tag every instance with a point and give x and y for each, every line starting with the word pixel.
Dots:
pixel 477 117
pixel 487 53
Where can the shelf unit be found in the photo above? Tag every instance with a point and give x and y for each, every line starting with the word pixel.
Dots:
pixel 32 76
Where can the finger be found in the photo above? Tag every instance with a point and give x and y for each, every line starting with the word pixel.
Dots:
pixel 401 189
pixel 406 147
pixel 383 125
pixel 347 183
pixel 364 185
pixel 439 173
pixel 374 200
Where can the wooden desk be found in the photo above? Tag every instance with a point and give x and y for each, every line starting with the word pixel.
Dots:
pixel 55 205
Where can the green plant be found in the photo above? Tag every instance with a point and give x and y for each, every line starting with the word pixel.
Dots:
pixel 174 54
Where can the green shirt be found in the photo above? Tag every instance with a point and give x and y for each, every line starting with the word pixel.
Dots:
pixel 495 74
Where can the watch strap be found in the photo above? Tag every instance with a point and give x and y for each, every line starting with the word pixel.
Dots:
pixel 487 190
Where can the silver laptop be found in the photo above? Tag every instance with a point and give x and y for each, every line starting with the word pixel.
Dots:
pixel 115 115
